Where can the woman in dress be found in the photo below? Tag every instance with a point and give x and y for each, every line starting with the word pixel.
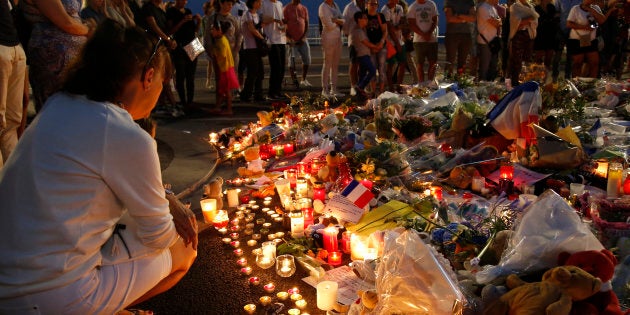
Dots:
pixel 250 27
pixel 332 20
pixel 73 192
pixel 58 35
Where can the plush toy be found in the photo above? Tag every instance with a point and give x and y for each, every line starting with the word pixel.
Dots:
pixel 330 171
pixel 552 296
pixel 369 299
pixel 600 264
pixel 214 190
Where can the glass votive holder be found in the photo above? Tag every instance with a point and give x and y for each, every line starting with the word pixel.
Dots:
pixel 252 243
pixel 264 300
pixel 256 236
pixel 264 231
pixel 282 296
pixel 285 265
pixel 248 231
pixel 260 221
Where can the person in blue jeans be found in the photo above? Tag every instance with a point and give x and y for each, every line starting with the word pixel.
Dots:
pixel 362 46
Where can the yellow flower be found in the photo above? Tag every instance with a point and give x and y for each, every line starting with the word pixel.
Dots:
pixel 368 167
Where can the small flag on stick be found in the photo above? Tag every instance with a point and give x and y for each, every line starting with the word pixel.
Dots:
pixel 357 193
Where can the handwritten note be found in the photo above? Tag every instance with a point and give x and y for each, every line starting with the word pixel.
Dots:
pixel 342 208
pixel 348 282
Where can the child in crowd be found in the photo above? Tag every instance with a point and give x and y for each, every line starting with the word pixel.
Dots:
pixel 362 46
pixel 228 81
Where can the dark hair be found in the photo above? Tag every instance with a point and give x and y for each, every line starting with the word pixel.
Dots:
pixel 358 15
pixel 250 3
pixel 112 57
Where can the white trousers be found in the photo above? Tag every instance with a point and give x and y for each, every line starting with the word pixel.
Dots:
pixel 331 48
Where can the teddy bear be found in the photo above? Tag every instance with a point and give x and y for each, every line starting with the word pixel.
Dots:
pixel 368 299
pixel 600 264
pixel 560 286
pixel 214 190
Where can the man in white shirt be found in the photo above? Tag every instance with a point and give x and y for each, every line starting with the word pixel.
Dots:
pixel 274 28
pixel 348 15
pixel 423 18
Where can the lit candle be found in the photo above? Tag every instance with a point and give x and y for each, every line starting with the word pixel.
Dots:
pixel 436 192
pixel 327 295
pixel 293 290
pixel 248 231
pixel 209 209
pixel 265 300
pixel 302 169
pixel 292 175
pixel 269 287
pixel 235 244
pixel 244 198
pixel 506 171
pixel 330 239
pixel 220 220
pixel 301 188
pixel 237 182
pixel 252 243
pixel 213 137
pixel 285 266
pixel 234 236
pixel 238 252
pixel 250 308
pixel 232 197
pixel 254 280
pixel 226 240
pixel 319 191
pixel 235 228
pixel 301 304
pixel 293 311
pixel 256 236
pixel 615 174
pixel 282 295
pixel 288 148
pixel 346 241
pixel 602 169
pixel 296 297
pixel 367 183
pixel 334 258
pixel 297 223
pixel 358 247
pixel 242 262
pixel 246 270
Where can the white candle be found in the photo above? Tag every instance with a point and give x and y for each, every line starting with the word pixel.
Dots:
pixel 327 295
pixel 209 209
pixel 232 197
pixel 301 188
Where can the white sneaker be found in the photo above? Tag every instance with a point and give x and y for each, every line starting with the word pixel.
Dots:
pixel 305 83
pixel 353 91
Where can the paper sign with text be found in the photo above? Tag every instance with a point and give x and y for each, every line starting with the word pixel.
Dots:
pixel 348 282
pixel 342 208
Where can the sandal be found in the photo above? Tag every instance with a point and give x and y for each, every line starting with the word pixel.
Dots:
pixel 134 311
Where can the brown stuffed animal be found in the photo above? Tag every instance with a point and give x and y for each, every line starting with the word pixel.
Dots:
pixel 560 286
pixel 214 190
pixel 369 299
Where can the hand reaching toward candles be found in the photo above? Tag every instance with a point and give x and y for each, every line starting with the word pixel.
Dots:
pixel 185 221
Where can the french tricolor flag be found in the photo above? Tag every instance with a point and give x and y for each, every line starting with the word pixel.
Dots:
pixel 357 193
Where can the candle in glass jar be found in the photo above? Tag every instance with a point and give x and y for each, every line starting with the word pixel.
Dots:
pixel 292 175
pixel 302 169
pixel 346 241
pixel 319 191
pixel 330 239
pixel 367 183
pixel 615 173
pixel 209 209
pixel 220 220
pixel 301 188
pixel 334 258
pixel 232 197
pixel 213 137
pixel 297 223
pixel 358 247
pixel 288 148
pixel 327 295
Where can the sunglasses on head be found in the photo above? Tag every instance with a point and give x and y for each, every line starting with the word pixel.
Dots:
pixel 148 63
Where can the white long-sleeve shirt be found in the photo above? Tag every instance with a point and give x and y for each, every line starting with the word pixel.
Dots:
pixel 76 169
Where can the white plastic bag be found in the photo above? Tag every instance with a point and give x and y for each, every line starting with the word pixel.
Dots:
pixel 548 227
pixel 412 278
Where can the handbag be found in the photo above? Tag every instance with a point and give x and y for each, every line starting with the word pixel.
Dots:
pixel 194 49
pixel 391 49
pixel 262 46
pixel 494 44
